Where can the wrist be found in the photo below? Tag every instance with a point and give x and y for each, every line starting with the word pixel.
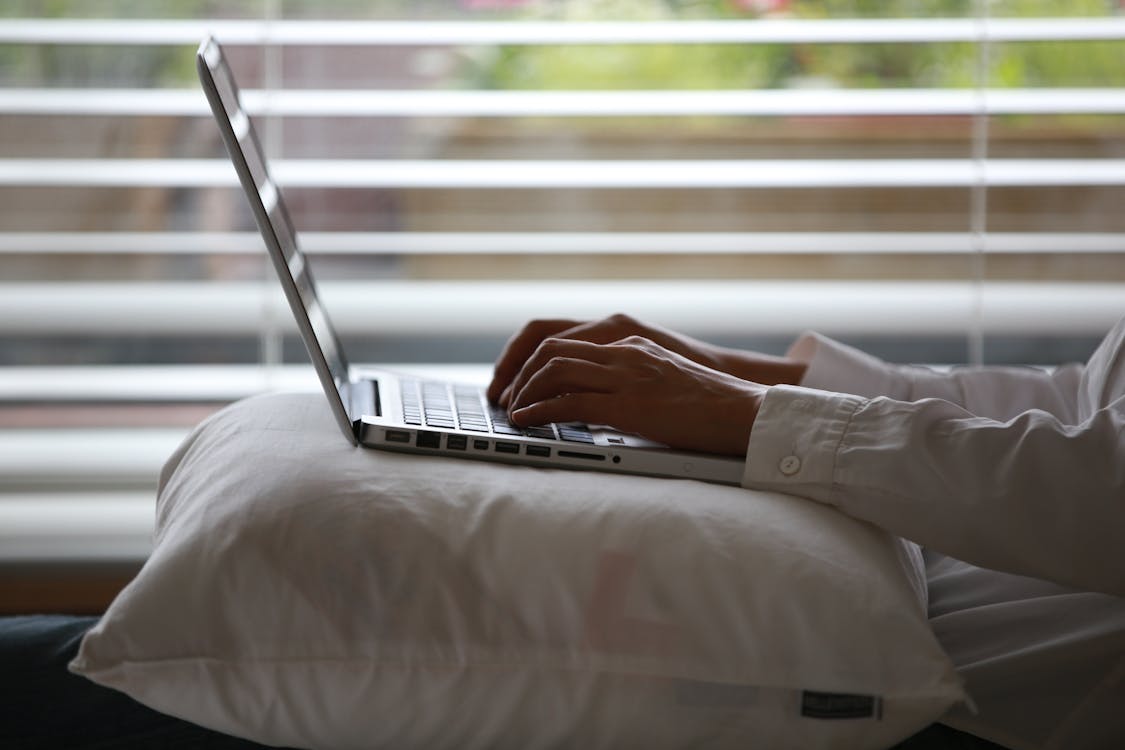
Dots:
pixel 731 419
pixel 788 371
pixel 762 368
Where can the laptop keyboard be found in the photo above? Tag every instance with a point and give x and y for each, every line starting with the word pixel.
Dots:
pixel 435 404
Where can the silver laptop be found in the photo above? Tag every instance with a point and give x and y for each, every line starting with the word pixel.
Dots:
pixel 390 411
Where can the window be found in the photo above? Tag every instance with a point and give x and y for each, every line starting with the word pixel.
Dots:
pixel 936 181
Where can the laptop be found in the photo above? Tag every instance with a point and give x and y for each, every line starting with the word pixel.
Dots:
pixel 387 410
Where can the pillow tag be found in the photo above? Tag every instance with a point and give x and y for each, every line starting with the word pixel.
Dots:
pixel 840 706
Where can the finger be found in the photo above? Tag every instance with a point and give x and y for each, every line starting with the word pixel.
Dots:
pixel 604 331
pixel 519 348
pixel 596 408
pixel 641 342
pixel 564 375
pixel 578 332
pixel 550 348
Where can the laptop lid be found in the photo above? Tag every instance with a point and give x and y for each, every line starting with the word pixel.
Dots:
pixel 277 230
pixel 324 348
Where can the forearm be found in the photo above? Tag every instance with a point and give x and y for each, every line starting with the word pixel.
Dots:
pixel 758 368
pixel 1030 496
pixel 994 392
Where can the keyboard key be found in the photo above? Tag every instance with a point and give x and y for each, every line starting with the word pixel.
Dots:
pixel 543 431
pixel 464 407
pixel 576 436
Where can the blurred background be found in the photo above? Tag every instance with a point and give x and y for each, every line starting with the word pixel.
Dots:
pixel 936 181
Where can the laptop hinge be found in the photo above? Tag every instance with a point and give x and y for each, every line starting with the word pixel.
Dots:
pixel 363 399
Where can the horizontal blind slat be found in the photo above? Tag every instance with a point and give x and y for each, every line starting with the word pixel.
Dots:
pixel 390 103
pixel 498 308
pixel 140 384
pixel 550 174
pixel 84 457
pixel 413 33
pixel 566 243
pixel 86 526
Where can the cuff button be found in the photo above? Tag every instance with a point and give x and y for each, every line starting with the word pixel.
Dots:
pixel 789 465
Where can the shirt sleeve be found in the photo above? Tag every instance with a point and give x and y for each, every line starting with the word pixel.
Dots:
pixel 1002 485
pixel 996 392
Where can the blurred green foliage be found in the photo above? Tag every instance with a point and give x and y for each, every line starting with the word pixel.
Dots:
pixel 610 67
pixel 938 65
pixel 70 65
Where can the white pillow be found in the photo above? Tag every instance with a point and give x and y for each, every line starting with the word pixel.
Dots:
pixel 306 593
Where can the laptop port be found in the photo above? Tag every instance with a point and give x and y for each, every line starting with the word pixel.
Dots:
pixel 580 454
pixel 538 450
pixel 456 442
pixel 429 439
pixel 507 447
pixel 480 445
pixel 397 436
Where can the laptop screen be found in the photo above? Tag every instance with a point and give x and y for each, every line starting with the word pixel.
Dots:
pixel 272 217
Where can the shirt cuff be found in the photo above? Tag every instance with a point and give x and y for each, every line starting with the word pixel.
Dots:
pixel 794 440
pixel 832 366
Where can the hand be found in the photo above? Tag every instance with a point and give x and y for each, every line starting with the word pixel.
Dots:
pixel 759 368
pixel 635 385
pixel 608 330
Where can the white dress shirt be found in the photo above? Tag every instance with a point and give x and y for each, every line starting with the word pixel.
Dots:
pixel 990 469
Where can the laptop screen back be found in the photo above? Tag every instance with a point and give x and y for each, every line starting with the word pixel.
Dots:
pixel 274 223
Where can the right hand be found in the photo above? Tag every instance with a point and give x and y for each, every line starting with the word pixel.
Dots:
pixel 758 368
pixel 635 385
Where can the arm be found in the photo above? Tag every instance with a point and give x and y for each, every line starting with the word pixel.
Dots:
pixel 813 361
pixel 1009 468
pixel 996 392
pixel 1035 494
pixel 511 368
pixel 1030 495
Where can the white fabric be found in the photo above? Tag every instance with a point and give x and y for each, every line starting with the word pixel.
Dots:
pixel 1044 664
pixel 1014 469
pixel 307 593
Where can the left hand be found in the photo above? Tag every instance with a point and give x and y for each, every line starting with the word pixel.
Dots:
pixel 637 386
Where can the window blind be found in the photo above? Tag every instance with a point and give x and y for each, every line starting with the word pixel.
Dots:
pixel 941 188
